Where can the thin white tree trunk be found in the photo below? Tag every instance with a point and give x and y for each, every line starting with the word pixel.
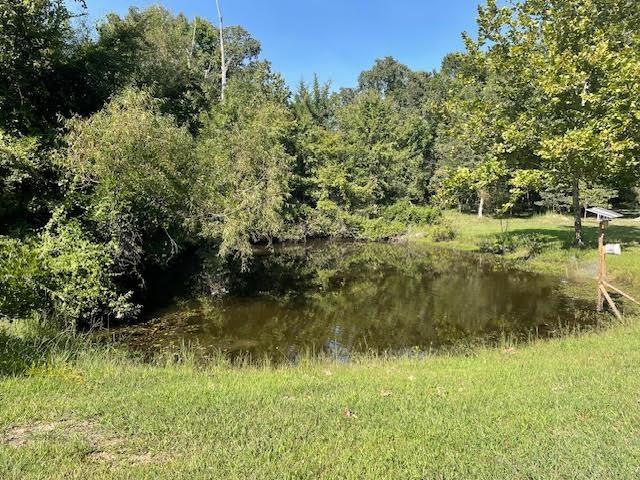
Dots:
pixel 223 61
pixel 481 207
pixel 193 42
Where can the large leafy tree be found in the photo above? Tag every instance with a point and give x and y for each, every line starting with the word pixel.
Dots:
pixel 40 64
pixel 567 74
pixel 386 149
pixel 41 80
pixel 387 76
pixel 244 168
pixel 390 78
pixel 129 170
pixel 176 59
pixel 480 106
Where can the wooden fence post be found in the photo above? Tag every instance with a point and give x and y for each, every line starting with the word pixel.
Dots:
pixel 601 267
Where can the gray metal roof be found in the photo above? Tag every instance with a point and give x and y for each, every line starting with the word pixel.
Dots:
pixel 604 213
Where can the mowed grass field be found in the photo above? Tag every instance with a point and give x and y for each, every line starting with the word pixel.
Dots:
pixel 556 233
pixel 563 408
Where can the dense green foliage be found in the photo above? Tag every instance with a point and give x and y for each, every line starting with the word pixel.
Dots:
pixel 243 166
pixel 565 408
pixel 128 170
pixel 63 274
pixel 550 85
pixel 117 153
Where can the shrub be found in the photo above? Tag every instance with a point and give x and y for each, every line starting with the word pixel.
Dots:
pixel 326 220
pixel 20 272
pixel 410 214
pixel 60 275
pixel 375 229
pixel 329 220
pixel 498 244
pixel 503 243
pixel 442 233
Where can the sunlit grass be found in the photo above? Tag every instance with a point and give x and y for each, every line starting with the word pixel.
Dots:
pixel 558 255
pixel 557 409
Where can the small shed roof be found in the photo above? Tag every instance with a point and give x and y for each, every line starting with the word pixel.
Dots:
pixel 603 213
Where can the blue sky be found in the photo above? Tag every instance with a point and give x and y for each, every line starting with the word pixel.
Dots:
pixel 335 38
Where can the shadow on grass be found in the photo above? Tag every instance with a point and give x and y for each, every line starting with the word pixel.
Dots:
pixel 18 354
pixel 624 234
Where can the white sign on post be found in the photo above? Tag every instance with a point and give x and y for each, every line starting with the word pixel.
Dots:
pixel 613 249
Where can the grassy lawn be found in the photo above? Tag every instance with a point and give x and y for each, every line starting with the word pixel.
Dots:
pixel 559 256
pixel 565 408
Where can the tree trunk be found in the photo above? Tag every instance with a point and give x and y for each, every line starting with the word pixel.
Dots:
pixel 193 42
pixel 223 60
pixel 481 207
pixel 577 219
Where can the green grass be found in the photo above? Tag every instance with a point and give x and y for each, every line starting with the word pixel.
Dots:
pixel 564 408
pixel 559 256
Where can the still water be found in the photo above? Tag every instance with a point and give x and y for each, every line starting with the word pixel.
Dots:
pixel 343 298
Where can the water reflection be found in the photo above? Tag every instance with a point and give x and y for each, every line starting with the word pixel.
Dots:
pixel 339 298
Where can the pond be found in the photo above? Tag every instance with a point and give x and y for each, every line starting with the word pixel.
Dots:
pixel 338 299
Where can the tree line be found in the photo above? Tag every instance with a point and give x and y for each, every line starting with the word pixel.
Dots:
pixel 123 148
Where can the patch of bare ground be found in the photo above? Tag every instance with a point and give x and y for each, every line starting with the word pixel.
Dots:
pixel 104 446
pixel 21 435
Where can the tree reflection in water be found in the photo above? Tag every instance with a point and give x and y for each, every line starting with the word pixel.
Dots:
pixel 341 298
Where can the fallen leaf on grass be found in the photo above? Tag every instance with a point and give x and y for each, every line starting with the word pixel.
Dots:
pixel 510 351
pixel 348 413
pixel 385 393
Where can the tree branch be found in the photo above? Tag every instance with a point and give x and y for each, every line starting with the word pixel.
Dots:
pixel 223 63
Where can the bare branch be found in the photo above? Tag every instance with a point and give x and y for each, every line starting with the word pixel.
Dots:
pixel 223 63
